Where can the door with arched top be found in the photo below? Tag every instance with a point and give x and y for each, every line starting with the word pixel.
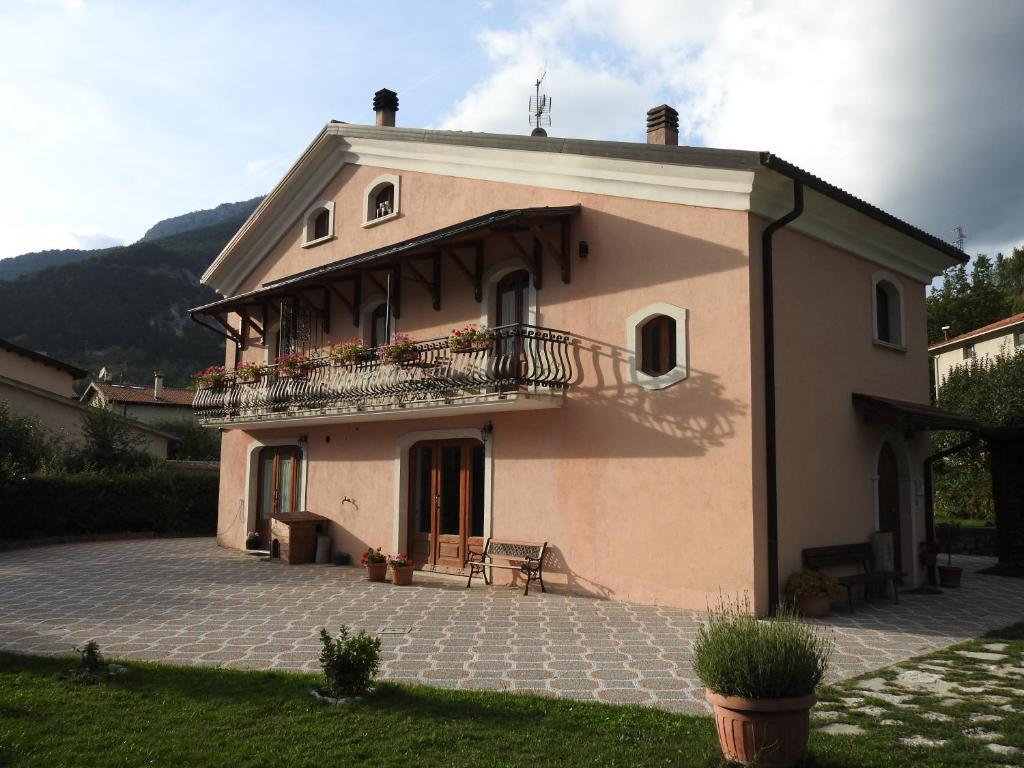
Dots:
pixel 889 499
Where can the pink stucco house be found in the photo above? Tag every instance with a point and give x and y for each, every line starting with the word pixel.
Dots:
pixel 670 417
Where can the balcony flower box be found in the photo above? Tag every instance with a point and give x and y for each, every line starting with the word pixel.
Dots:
pixel 293 366
pixel 210 378
pixel 401 351
pixel 471 339
pixel 248 373
pixel 348 353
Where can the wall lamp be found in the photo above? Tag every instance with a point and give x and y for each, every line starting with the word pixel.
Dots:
pixel 485 431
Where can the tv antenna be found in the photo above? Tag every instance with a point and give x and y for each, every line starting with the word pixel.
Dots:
pixel 540 108
pixel 959 236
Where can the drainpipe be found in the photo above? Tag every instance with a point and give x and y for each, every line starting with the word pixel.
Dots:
pixel 768 304
pixel 929 500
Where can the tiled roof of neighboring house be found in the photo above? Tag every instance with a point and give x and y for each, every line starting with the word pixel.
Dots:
pixel 1006 322
pixel 118 393
pixel 39 357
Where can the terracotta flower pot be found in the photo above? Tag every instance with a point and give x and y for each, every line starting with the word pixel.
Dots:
pixel 402 577
pixel 950 575
pixel 768 732
pixel 376 571
pixel 814 606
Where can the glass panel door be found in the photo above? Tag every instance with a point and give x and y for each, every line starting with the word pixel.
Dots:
pixel 446 510
pixel 278 473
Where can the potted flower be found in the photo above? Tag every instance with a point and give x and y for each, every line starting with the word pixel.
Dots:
pixel 252 540
pixel 293 366
pixel 470 339
pixel 402 349
pixel 401 570
pixel 376 564
pixel 810 591
pixel 949 534
pixel 347 353
pixel 211 377
pixel 248 373
pixel 760 677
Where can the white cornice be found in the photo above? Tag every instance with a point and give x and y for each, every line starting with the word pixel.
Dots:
pixel 762 192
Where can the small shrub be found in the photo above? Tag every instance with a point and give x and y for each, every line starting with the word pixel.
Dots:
pixel 736 654
pixel 349 661
pixel 810 584
pixel 92 659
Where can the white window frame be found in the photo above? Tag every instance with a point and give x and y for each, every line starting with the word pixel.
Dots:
pixel 370 192
pixel 634 346
pixel 309 220
pixel 891 279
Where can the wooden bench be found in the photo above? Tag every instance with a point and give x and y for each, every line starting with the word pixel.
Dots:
pixel 523 556
pixel 852 554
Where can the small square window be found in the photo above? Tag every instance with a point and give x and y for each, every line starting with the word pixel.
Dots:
pixel 1018 339
pixel 969 353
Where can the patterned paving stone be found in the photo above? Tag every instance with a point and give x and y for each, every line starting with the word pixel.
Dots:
pixel 188 601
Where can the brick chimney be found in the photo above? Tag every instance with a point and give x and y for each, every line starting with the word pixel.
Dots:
pixel 663 126
pixel 158 385
pixel 385 104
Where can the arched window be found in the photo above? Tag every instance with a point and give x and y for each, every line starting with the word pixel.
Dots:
pixel 382 199
pixel 656 341
pixel 888 306
pixel 322 224
pixel 658 345
pixel 319 223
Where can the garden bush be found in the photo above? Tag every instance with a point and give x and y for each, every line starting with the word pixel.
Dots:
pixel 157 500
pixel 349 661
pixel 737 654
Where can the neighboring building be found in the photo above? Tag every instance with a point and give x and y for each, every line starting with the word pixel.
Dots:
pixel 999 338
pixel 146 404
pixel 640 440
pixel 36 385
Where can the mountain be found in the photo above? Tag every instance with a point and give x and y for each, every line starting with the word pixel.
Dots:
pixel 200 219
pixel 123 307
pixel 15 266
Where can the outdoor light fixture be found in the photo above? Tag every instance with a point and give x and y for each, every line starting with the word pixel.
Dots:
pixel 584 249
pixel 485 431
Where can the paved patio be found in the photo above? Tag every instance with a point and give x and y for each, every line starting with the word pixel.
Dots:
pixel 188 601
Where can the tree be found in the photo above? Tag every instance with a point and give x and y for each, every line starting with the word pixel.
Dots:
pixel 25 444
pixel 991 391
pixel 110 442
pixel 194 443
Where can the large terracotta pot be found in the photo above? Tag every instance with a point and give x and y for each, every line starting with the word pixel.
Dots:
pixel 401 577
pixel 950 575
pixel 814 606
pixel 376 571
pixel 768 732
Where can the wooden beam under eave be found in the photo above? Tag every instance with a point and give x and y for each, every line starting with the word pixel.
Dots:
pixel 538 264
pixel 229 329
pixel 342 298
pixel 357 299
pixel 478 272
pixel 566 229
pixel 396 291
pixel 327 310
pixel 437 282
pixel 244 328
pixel 561 253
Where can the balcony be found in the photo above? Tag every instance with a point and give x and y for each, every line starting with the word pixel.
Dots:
pixel 525 368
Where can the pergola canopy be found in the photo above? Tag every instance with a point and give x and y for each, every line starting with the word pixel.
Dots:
pixel 906 416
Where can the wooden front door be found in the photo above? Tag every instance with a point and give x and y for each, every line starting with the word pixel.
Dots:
pixel 889 499
pixel 278 486
pixel 446 502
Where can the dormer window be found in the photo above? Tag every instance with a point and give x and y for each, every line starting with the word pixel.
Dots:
pixel 319 226
pixel 382 200
pixel 887 302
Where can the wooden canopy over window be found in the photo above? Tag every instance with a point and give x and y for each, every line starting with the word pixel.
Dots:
pixel 418 259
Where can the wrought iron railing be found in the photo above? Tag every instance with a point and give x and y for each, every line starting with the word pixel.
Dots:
pixel 519 357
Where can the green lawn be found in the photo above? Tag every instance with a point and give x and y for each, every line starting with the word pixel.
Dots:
pixel 184 716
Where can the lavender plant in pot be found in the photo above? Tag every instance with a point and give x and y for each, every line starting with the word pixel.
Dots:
pixel 760 676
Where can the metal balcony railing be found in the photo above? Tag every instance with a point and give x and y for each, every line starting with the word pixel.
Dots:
pixel 521 356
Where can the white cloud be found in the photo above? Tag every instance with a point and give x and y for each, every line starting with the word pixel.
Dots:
pixel 914 105
pixel 19 240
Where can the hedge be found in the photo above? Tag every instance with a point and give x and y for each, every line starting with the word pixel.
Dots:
pixel 162 501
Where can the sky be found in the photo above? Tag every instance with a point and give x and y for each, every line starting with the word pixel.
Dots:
pixel 114 115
